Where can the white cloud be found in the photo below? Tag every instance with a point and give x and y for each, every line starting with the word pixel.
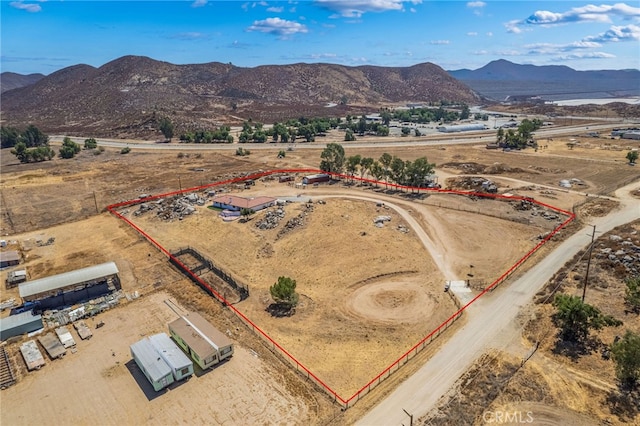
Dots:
pixel 489 34
pixel 588 13
pixel 275 9
pixel 476 4
pixel 615 33
pixel 555 49
pixel 472 33
pixel 439 42
pixel 199 3
pixel 584 55
pixel 279 27
pixel 356 8
pixel 412 10
pixel 33 8
pixel 480 52
pixel 191 36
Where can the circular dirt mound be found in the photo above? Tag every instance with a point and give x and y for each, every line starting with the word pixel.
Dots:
pixel 396 301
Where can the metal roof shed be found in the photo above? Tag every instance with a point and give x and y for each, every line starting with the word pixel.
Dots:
pixel 22 323
pixel 155 369
pixel 32 355
pixel 181 366
pixel 205 343
pixel 30 289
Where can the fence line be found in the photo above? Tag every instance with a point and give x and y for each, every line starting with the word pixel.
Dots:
pixel 279 350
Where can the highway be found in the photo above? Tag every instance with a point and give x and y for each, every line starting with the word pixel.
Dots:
pixel 432 139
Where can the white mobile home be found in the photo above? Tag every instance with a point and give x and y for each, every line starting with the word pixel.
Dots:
pixel 180 365
pixel 155 369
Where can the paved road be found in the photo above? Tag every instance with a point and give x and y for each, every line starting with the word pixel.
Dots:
pixel 419 393
pixel 372 142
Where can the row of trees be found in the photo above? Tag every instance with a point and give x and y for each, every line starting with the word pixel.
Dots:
pixel 426 114
pixel 32 145
pixel 390 168
pixel 219 135
pixel 31 137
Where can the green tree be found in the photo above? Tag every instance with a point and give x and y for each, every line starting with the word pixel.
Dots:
pixel 69 148
pixel 20 151
pixel 377 171
pixel 332 158
pixel 500 135
pixel 626 354
pixel 465 113
pixel 398 170
pixel 284 292
pixel 166 127
pixel 632 294
pixel 352 165
pixel 349 136
pixel 385 162
pixel 32 137
pixel 632 156
pixel 125 150
pixel 576 318
pixel 365 165
pixel 10 136
pixel 405 131
pixel 90 143
pixel 386 117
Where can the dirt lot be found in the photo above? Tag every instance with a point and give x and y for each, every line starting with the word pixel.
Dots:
pixel 375 290
pixel 382 294
pixel 100 383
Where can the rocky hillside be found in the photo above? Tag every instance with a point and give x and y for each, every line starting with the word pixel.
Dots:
pixel 127 95
pixel 11 80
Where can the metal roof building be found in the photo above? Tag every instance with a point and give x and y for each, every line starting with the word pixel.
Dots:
pixel 9 258
pixel 155 369
pixel 461 128
pixel 205 343
pixel 105 274
pixel 22 323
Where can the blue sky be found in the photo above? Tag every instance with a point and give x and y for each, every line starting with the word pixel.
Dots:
pixel 45 36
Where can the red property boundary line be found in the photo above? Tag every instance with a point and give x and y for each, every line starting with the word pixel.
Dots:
pixel 349 402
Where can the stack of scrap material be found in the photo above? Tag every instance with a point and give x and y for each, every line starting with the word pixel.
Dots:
pixel 65 337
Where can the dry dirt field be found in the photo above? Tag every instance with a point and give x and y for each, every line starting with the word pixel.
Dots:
pixel 380 291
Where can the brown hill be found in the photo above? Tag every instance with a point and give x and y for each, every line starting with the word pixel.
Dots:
pixel 125 96
pixel 11 80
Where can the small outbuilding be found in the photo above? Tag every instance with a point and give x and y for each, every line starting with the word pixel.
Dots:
pixel 317 178
pixel 155 369
pixel 9 258
pixel 206 345
pixel 32 355
pixel 22 323
pixel 181 366
pixel 16 277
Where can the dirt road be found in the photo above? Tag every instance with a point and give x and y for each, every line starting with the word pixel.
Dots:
pixel 488 318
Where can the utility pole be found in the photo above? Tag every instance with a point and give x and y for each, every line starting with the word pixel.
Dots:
pixel 95 200
pixel 410 417
pixel 586 275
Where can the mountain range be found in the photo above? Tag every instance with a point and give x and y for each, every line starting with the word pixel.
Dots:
pixel 127 96
pixel 551 82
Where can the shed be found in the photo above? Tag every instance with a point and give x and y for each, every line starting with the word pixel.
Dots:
pixel 9 258
pixel 52 345
pixel 22 323
pixel 16 277
pixel 181 366
pixel 320 177
pixel 155 369
pixel 65 337
pixel 71 287
pixel 206 345
pixel 32 355
pixel 83 330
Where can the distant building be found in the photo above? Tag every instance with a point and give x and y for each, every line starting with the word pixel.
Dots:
pixel 9 258
pixel 321 177
pixel 16 277
pixel 633 134
pixel 461 128
pixel 235 203
pixel 206 345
